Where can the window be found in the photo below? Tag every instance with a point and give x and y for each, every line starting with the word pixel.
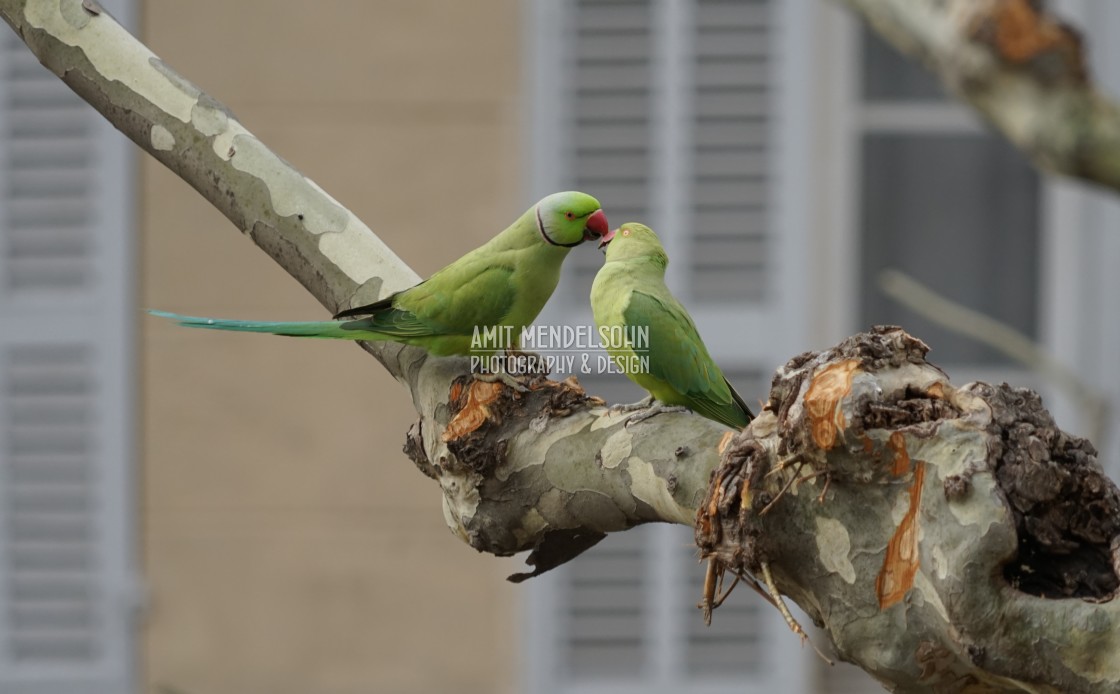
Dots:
pixel 669 111
pixel 66 386
pixel 945 201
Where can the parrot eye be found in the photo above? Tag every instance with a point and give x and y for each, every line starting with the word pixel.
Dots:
pixel 570 215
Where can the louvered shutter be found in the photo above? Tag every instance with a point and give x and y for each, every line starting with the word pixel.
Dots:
pixel 607 135
pixel 666 111
pixel 66 536
pixel 730 186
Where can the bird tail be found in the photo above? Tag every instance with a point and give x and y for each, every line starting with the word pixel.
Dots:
pixel 339 330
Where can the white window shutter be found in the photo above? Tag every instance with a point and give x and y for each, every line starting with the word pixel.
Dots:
pixel 668 112
pixel 730 150
pixel 607 119
pixel 605 625
pixel 67 567
pixel 686 115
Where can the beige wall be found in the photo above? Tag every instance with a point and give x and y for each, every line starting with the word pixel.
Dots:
pixel 288 544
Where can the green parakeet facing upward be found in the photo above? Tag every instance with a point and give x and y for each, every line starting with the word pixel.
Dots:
pixel 504 282
pixel 629 292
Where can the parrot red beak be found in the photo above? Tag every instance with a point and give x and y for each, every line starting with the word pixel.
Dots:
pixel 605 238
pixel 596 226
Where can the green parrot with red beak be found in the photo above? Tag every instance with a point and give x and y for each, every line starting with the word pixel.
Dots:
pixel 505 282
pixel 629 292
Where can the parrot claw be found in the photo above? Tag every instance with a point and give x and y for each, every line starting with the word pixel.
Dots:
pixel 657 409
pixel 633 406
pixel 532 362
pixel 509 380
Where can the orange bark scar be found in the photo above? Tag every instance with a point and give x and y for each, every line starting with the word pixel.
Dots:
pixel 474 412
pixel 745 496
pixel 1022 33
pixel 901 465
pixel 822 401
pixel 724 440
pixel 901 563
pixel 1023 36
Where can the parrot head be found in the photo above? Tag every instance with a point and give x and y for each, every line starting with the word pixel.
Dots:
pixel 570 218
pixel 633 240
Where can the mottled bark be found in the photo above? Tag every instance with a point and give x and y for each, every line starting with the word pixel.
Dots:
pixel 946 539
pixel 553 470
pixel 961 541
pixel 1021 68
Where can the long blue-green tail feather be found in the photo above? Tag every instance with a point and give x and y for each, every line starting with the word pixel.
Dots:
pixel 338 330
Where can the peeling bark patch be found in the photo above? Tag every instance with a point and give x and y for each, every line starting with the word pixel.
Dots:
pixel 616 449
pixel 361 255
pixel 1067 512
pixel 901 562
pixel 1022 36
pixel 652 489
pixel 927 593
pixel 366 293
pixel 162 139
pixel 290 193
pixel 822 401
pixel 833 547
pixel 111 51
pixel 342 238
pixel 210 118
pixel 181 84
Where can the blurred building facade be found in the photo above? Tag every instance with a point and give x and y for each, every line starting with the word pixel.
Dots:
pixel 211 513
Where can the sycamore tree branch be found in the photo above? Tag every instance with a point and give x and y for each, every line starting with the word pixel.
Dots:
pixel 946 539
pixel 1024 70
pixel 559 490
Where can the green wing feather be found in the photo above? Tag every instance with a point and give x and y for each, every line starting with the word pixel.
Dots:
pixel 681 371
pixel 440 320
